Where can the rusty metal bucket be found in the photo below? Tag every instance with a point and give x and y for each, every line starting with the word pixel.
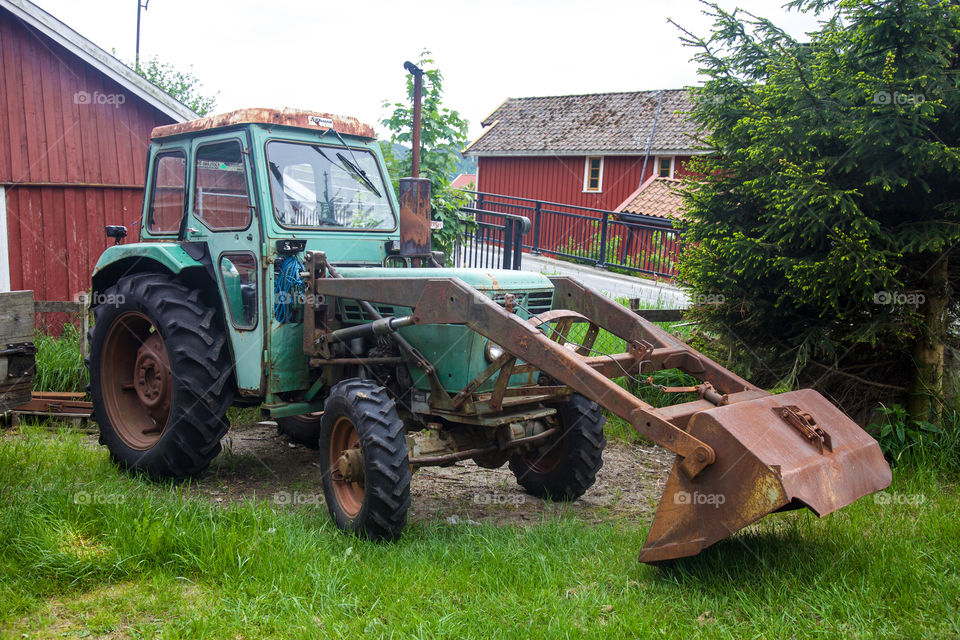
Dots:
pixel 773 453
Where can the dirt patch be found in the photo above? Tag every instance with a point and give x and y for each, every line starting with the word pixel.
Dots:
pixel 259 464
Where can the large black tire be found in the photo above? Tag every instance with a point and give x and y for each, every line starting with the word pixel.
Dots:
pixel 303 429
pixel 566 467
pixel 360 414
pixel 159 356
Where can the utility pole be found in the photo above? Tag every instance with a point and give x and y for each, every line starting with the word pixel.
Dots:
pixel 141 4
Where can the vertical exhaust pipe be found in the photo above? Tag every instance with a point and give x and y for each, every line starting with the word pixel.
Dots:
pixel 415 191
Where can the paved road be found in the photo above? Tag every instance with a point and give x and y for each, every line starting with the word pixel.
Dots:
pixel 656 294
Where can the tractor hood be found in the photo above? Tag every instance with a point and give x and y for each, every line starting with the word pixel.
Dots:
pixel 490 281
pixel 456 367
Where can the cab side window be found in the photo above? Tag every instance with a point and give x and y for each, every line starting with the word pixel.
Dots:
pixel 167 195
pixel 221 200
pixel 239 273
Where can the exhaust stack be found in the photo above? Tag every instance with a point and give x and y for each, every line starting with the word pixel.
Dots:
pixel 415 191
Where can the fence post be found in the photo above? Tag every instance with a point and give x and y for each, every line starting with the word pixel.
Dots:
pixel 603 240
pixel 518 245
pixel 507 250
pixel 535 245
pixel 480 201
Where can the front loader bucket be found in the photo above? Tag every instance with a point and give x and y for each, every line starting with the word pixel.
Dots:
pixel 764 463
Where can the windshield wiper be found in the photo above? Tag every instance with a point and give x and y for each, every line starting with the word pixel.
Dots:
pixel 359 174
pixel 354 166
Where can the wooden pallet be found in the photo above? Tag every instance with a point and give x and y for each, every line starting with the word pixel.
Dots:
pixel 61 406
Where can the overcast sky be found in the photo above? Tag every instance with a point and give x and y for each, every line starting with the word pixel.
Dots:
pixel 347 57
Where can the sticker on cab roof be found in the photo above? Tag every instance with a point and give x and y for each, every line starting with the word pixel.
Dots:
pixel 320 122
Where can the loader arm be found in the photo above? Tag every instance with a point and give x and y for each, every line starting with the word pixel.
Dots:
pixel 452 301
pixel 742 453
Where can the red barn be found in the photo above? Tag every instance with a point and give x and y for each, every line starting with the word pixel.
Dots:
pixel 75 123
pixel 585 150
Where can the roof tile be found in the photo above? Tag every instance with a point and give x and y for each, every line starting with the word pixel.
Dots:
pixel 592 123
pixel 656 197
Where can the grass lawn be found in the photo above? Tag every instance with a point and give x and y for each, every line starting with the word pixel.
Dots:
pixel 87 551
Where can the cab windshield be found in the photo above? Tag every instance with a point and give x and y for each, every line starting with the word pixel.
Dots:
pixel 327 186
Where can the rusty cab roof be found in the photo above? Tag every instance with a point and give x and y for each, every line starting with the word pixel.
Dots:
pixel 287 118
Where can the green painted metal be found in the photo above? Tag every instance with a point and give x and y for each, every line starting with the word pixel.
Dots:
pixel 169 254
pixel 287 409
pixel 494 280
pixel 287 365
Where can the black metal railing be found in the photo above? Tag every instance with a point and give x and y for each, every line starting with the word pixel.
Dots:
pixel 633 243
pixel 489 240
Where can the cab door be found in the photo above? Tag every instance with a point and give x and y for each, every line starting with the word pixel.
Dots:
pixel 223 215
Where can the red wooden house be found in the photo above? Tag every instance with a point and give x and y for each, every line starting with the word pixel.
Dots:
pixel 590 150
pixel 75 123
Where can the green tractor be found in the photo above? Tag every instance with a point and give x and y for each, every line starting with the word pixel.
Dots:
pixel 276 268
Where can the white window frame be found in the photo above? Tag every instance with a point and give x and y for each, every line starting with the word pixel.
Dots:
pixel 586 175
pixel 4 246
pixel 673 164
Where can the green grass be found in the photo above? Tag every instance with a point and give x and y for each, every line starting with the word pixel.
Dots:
pixel 141 559
pixel 60 361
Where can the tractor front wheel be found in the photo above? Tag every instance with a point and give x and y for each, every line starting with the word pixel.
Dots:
pixel 160 376
pixel 565 467
pixel 364 461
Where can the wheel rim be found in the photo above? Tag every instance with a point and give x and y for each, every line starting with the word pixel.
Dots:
pixel 135 380
pixel 345 452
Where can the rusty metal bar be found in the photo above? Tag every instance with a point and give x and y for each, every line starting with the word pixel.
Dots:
pixel 503 379
pixel 320 362
pixel 622 322
pixel 452 301
pixel 470 453
pixel 417 98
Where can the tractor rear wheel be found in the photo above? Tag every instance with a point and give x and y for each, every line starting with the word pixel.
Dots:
pixel 566 467
pixel 303 429
pixel 160 376
pixel 364 461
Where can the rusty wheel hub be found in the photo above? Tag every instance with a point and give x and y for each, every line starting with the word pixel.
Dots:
pixel 351 465
pixel 151 376
pixel 346 465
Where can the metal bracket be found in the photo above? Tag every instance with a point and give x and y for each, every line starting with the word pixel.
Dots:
pixel 803 422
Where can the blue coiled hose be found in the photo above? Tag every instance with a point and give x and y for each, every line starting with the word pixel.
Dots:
pixel 288 288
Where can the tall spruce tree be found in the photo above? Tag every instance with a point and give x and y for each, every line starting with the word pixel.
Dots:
pixel 826 217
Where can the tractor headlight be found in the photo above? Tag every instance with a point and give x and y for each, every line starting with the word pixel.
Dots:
pixel 492 351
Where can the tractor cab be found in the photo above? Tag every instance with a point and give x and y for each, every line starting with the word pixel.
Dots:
pixel 235 195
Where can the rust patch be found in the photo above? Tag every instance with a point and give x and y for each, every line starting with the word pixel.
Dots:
pixel 313 120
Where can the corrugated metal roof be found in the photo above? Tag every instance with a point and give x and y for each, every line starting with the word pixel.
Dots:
pixel 598 123
pixel 656 197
